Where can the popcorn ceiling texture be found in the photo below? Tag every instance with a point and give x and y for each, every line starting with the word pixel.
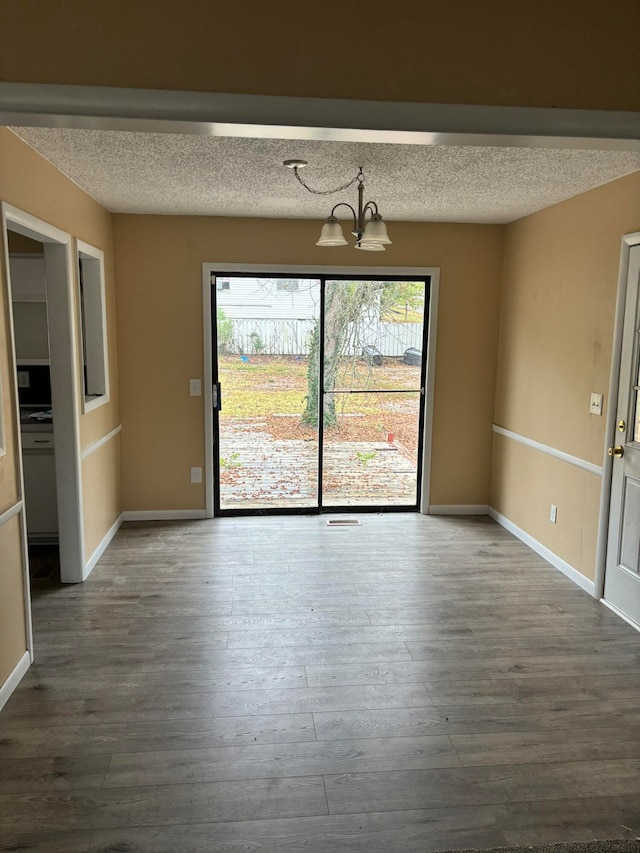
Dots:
pixel 221 176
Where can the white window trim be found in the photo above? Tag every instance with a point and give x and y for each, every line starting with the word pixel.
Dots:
pixel 95 254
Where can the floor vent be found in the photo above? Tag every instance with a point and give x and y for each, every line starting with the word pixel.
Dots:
pixel 343 522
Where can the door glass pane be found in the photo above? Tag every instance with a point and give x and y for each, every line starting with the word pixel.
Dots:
pixel 371 453
pixel 267 444
pixel 373 333
pixel 371 325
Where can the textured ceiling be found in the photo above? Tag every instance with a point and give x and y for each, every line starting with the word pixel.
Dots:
pixel 222 176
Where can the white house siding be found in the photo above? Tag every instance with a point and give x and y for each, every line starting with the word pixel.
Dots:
pixel 250 298
pixel 273 321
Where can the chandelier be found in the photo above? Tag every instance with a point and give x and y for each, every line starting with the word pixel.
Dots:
pixel 371 235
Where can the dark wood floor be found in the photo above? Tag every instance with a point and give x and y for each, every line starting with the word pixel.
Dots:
pixel 271 684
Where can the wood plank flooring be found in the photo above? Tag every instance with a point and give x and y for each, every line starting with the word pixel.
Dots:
pixel 271 684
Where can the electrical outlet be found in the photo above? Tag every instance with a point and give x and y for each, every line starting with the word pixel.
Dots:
pixel 196 475
pixel 195 387
pixel 553 515
pixel 595 404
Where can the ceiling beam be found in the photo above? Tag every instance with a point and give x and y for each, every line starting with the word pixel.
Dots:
pixel 275 117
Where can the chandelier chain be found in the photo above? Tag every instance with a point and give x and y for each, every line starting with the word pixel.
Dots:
pixel 358 177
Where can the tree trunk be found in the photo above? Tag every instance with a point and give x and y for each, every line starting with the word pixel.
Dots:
pixel 345 302
pixel 310 414
pixel 335 321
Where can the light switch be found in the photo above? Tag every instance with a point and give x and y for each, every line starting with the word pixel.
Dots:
pixel 595 407
pixel 195 387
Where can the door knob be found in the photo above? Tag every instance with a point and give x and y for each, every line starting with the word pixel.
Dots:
pixel 616 451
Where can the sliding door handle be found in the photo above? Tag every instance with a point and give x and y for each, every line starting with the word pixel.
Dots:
pixel 216 397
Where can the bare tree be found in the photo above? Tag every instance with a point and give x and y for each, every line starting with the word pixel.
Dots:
pixel 349 308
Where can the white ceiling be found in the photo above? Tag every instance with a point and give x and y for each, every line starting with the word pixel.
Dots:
pixel 222 176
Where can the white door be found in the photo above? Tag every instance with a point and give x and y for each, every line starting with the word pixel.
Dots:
pixel 622 578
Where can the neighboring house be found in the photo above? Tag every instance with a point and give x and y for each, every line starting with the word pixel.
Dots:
pixel 268 298
pixel 275 316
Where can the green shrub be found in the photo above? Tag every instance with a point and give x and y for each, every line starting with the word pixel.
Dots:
pixel 225 331
pixel 256 342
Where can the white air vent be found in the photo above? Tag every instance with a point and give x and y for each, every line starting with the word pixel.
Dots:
pixel 342 522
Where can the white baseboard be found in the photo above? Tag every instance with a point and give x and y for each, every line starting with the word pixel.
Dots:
pixel 102 547
pixel 15 677
pixel 458 509
pixel 566 569
pixel 163 514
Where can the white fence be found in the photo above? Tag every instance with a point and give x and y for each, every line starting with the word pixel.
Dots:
pixel 270 337
pixel 393 339
pixel 292 337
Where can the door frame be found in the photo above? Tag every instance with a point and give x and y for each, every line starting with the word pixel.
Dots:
pixel 217 268
pixel 627 242
pixel 59 261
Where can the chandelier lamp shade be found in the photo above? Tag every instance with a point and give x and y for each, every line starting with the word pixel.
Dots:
pixel 370 233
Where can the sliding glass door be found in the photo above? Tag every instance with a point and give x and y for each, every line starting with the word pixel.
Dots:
pixel 267 447
pixel 320 393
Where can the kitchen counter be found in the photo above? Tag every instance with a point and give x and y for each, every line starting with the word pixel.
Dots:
pixel 31 424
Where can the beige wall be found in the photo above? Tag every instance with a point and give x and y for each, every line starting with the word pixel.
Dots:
pixel 159 282
pixel 31 184
pixel 556 333
pixel 575 53
pixel 20 243
pixel 526 482
pixel 102 500
pixel 13 641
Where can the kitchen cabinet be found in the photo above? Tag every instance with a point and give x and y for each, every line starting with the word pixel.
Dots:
pixel 39 466
pixel 28 282
pixel 30 321
pixel 31 329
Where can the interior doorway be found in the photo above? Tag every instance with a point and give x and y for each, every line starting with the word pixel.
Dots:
pixel 51 487
pixel 318 391
pixel 622 572
pixel 31 338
